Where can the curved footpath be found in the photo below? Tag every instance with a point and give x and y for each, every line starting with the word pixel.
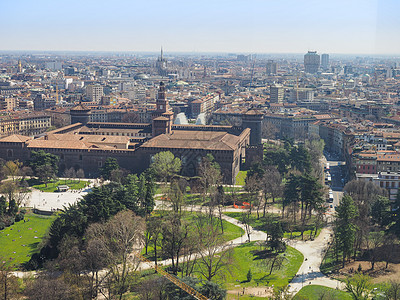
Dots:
pixel 313 251
pixel 309 272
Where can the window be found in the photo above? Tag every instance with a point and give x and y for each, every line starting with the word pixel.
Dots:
pixel 9 153
pixel 80 156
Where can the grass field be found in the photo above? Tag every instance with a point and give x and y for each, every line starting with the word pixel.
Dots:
pixel 19 241
pixel 315 292
pixel 241 178
pixel 248 256
pixel 259 224
pixel 52 186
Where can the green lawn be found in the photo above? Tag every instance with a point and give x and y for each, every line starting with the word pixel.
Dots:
pixel 248 256
pixel 260 223
pixel 315 292
pixel 23 238
pixel 241 178
pixel 52 186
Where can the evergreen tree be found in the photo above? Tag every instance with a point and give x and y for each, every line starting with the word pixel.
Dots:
pixel 345 228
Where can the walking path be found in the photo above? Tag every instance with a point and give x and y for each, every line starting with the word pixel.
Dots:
pixel 309 272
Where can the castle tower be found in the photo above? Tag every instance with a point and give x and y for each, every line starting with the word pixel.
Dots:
pixel 80 114
pixel 253 119
pixel 162 116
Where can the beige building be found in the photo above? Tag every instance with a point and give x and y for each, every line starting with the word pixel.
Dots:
pixel 25 124
pixel 94 92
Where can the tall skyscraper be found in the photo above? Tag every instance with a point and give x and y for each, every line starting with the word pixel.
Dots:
pixel 324 61
pixel 272 67
pixel 311 62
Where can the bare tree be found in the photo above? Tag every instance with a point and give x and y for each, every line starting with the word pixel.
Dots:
pixel 69 173
pixel 214 253
pixel 174 236
pixel 119 237
pixel 271 185
pixel 80 174
pixel 269 130
pixel 210 177
pixel 8 282
pixel 44 287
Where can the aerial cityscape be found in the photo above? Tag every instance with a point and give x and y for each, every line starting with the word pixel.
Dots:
pixel 172 150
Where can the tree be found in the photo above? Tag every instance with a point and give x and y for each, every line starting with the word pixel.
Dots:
pixel 215 254
pixel 69 173
pixel 40 159
pixel 249 275
pixel 364 194
pixel 271 184
pixel 374 242
pixel 80 174
pixel 45 173
pixel 12 168
pixel 165 165
pixel 392 290
pixel 359 286
pixel 174 235
pixel 8 282
pixel 119 237
pixel 209 289
pixel 131 117
pixel 110 165
pixel 49 288
pixel 155 228
pixel 252 188
pixel 16 192
pixel 269 130
pixel 380 211
pixel 345 227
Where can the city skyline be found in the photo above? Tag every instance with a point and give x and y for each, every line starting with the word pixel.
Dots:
pixel 355 27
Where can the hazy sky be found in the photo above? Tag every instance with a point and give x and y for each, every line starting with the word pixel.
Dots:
pixel 255 26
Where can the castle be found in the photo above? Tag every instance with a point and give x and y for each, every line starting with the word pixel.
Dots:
pixel 87 145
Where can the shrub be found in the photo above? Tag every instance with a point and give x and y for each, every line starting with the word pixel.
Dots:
pixel 19 217
pixel 249 275
pixel 2 225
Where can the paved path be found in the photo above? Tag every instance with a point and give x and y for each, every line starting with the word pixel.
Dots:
pixel 309 272
pixel 52 201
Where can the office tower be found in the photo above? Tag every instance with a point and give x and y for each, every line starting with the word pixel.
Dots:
pixel 324 61
pixel 276 93
pixel 94 92
pixel 272 67
pixel 311 62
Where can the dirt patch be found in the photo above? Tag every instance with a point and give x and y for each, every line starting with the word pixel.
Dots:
pixel 379 274
pixel 254 291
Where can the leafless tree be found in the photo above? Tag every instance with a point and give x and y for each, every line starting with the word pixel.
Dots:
pixel 119 237
pixel 210 177
pixel 69 173
pixel 44 287
pixel 8 282
pixel 214 253
pixel 269 130
pixel 174 235
pixel 80 174
pixel 271 185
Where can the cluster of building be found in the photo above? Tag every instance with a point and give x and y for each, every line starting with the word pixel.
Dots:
pixel 115 106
